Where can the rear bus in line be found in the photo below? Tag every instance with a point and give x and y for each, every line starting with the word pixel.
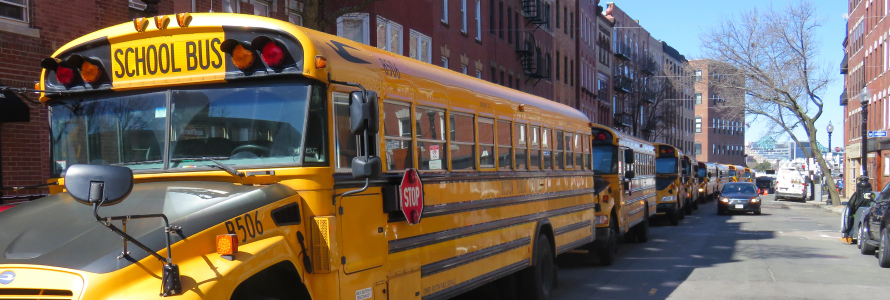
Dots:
pixel 722 176
pixel 624 177
pixel 670 192
pixel 708 184
pixel 689 179
pixel 291 164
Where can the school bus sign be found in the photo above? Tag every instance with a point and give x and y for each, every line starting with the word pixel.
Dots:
pixel 168 59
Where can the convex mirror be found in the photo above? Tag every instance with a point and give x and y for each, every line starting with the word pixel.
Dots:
pixel 98 184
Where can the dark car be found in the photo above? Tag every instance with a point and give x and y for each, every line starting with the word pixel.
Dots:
pixel 739 196
pixel 874 232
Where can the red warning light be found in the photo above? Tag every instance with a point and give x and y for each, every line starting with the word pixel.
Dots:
pixel 64 75
pixel 601 136
pixel 273 55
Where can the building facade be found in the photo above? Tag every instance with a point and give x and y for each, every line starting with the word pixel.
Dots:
pixel 719 121
pixel 575 52
pixel 864 65
pixel 679 108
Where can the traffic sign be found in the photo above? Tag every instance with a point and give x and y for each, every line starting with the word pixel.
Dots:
pixel 411 196
pixel 872 134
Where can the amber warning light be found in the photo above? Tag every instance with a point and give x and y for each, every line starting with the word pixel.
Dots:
pixel 227 245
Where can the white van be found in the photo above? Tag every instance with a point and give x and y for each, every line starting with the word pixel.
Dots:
pixel 791 184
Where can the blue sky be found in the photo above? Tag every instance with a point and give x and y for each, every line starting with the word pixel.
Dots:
pixel 680 22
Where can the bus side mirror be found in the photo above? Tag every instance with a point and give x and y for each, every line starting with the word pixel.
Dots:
pixel 366 167
pixel 98 184
pixel 629 174
pixel 628 156
pixel 363 112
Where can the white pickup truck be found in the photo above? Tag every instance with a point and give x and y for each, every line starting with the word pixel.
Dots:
pixel 791 184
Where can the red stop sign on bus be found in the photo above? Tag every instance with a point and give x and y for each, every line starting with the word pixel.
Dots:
pixel 411 196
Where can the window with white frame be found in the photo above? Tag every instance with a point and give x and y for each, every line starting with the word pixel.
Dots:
pixel 389 35
pixel 229 6
pixel 463 69
pixel 14 9
pixel 294 12
pixel 444 62
pixel 445 11
pixel 355 26
pixel 698 124
pixel 261 8
pixel 420 47
pixel 478 74
pixel 463 16
pixel 295 18
pixel 479 20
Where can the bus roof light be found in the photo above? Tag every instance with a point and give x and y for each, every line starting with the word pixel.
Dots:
pixel 601 136
pixel 183 19
pixel 141 24
pixel 320 62
pixel 162 21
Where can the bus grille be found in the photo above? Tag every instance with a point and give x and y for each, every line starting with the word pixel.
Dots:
pixel 35 294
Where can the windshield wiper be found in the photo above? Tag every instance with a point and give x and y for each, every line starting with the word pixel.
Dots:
pixel 219 164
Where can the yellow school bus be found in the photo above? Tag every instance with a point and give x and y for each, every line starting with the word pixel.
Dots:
pixel 709 180
pixel 723 176
pixel 689 179
pixel 624 172
pixel 747 175
pixel 670 192
pixel 735 173
pixel 292 164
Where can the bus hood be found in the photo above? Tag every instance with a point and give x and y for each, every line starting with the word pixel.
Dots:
pixel 58 231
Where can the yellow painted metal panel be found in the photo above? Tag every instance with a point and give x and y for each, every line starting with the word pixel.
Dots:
pixel 406 286
pixel 362 222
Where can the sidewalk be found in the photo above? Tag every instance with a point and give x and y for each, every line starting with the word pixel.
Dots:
pixel 837 209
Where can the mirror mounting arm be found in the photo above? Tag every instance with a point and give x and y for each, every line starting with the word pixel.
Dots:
pixel 172 282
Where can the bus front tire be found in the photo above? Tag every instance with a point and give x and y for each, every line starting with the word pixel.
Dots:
pixel 539 280
pixel 606 254
pixel 642 229
pixel 674 215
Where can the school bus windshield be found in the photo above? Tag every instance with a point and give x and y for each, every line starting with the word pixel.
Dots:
pixel 732 173
pixel 242 124
pixel 666 165
pixel 604 160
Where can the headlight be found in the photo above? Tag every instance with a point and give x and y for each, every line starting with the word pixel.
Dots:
pixel 755 199
pixel 724 199
pixel 701 189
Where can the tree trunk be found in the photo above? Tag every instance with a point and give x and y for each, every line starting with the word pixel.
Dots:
pixel 811 135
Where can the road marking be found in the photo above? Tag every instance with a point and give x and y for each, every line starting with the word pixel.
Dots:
pixel 652 292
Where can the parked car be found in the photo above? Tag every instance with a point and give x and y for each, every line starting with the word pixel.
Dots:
pixel 874 233
pixel 739 196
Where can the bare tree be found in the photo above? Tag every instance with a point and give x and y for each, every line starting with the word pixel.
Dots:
pixel 775 53
pixel 319 14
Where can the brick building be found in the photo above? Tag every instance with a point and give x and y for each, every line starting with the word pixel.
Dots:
pixel 571 51
pixel 864 65
pixel 678 92
pixel 719 118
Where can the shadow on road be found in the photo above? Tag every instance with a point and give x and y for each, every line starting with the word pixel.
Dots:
pixel 653 270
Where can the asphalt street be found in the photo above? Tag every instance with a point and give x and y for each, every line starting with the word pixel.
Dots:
pixel 791 251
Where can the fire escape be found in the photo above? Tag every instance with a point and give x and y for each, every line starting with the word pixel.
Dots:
pixel 532 61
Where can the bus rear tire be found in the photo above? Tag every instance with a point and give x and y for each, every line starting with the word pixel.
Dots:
pixel 539 280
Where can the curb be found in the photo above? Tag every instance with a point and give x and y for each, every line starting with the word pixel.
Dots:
pixel 836 209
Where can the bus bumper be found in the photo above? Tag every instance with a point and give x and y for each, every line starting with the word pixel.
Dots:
pixel 666 205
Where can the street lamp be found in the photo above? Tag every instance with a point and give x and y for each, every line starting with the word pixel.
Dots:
pixel 830 129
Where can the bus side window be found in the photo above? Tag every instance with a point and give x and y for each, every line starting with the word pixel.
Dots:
pixel 534 161
pixel 570 150
pixel 521 141
pixel 315 150
pixel 486 143
pixel 579 152
pixel 346 143
pixel 547 157
pixel 430 130
pixel 397 132
pixel 505 146
pixel 463 142
pixel 559 157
